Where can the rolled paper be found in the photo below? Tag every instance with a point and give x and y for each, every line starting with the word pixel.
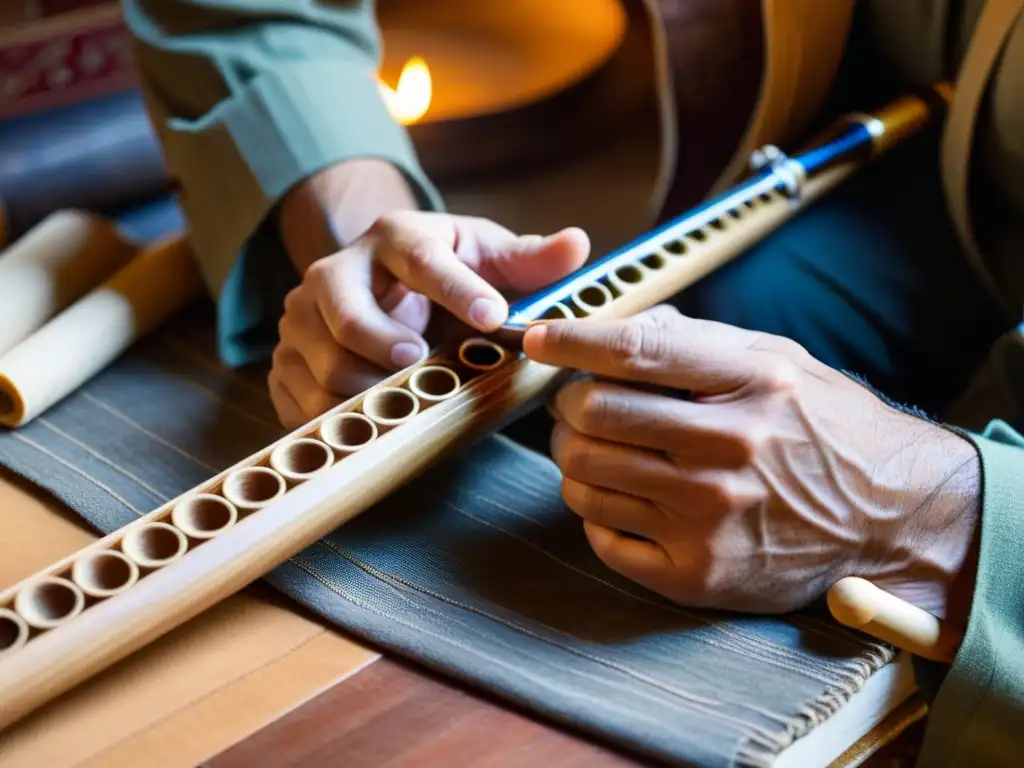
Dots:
pixel 94 331
pixel 53 265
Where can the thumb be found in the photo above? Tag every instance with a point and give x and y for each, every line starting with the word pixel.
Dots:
pixel 531 262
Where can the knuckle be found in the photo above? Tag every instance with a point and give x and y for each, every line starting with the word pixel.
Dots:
pixel 663 315
pixel 420 256
pixel 749 442
pixel 572 457
pixel 346 324
pixel 594 410
pixel 277 359
pixel 386 225
pixel 627 342
pixel 451 286
pixel 576 460
pixel 591 503
pixel 780 375
pixel 637 345
pixel 317 273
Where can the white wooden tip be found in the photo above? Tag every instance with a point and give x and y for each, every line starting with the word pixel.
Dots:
pixel 853 601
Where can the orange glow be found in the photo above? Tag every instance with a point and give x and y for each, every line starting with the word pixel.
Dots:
pixel 410 100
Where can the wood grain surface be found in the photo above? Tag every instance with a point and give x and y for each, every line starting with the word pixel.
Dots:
pixel 397 714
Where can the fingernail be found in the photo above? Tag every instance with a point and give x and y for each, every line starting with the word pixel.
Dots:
pixel 486 314
pixel 537 333
pixel 406 353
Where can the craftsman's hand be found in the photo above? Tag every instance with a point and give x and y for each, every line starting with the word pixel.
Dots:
pixel 729 469
pixel 361 311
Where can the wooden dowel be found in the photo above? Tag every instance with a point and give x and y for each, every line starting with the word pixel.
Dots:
pixel 859 604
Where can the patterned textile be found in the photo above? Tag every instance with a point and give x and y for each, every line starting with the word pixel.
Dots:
pixel 476 569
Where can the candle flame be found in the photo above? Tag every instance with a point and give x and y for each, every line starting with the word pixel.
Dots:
pixel 410 100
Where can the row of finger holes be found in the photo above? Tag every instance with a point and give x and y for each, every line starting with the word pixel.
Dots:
pixel 628 276
pixel 52 600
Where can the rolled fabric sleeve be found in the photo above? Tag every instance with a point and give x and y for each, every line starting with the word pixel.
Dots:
pixel 977 703
pixel 247 100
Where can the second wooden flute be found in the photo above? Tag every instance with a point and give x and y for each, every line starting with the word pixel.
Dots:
pixel 86 612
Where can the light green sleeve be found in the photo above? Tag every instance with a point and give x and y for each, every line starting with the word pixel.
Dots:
pixel 977 711
pixel 247 99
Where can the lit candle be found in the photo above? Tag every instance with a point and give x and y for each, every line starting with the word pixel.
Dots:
pixel 410 99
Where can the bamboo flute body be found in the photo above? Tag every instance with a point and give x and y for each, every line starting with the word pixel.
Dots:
pixel 79 616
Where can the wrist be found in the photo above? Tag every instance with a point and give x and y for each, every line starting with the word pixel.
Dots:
pixel 937 536
pixel 331 209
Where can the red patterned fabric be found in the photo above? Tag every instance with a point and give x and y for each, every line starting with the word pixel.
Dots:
pixel 64 59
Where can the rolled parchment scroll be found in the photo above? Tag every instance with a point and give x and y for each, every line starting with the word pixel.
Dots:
pixel 56 263
pixel 94 331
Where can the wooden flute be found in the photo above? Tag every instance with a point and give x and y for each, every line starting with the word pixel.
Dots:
pixel 80 615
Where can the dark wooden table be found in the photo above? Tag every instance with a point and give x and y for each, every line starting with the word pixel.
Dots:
pixel 394 713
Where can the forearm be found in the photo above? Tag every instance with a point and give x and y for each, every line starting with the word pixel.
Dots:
pixel 332 208
pixel 252 102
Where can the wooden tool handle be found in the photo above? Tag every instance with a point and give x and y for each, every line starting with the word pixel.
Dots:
pixel 859 604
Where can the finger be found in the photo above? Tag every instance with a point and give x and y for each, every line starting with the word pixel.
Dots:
pixel 688 354
pixel 356 321
pixel 291 370
pixel 645 562
pixel 613 467
pixel 524 263
pixel 426 262
pixel 620 414
pixel 288 411
pixel 613 510
pixel 336 370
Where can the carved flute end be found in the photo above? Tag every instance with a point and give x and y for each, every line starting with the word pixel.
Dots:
pixel 859 604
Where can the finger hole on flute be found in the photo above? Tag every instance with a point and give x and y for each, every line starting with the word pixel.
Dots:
pixel 390 406
pixel 154 545
pixel 104 573
pixel 627 276
pixel 348 432
pixel 481 355
pixel 300 459
pixel 49 602
pixel 13 631
pixel 252 488
pixel 590 298
pixel 653 261
pixel 677 247
pixel 434 383
pixel 557 311
pixel 204 516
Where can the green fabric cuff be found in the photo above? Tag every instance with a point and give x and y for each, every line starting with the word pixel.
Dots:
pixel 237 162
pixel 976 704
